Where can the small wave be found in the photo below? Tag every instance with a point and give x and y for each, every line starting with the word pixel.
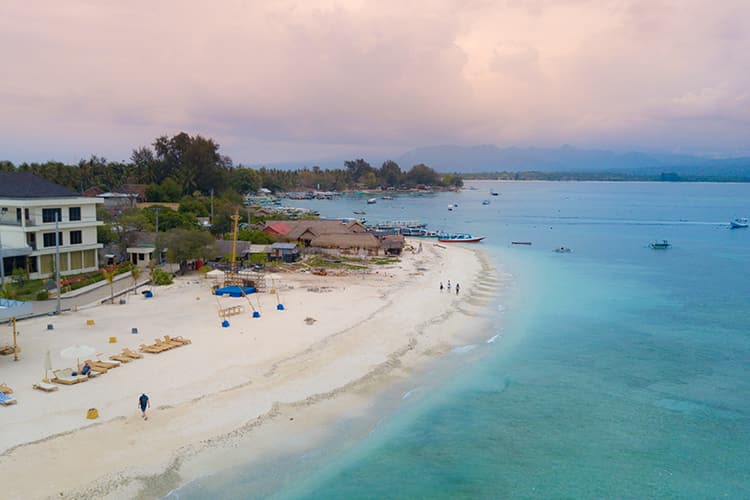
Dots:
pixel 464 349
pixel 409 393
pixel 492 339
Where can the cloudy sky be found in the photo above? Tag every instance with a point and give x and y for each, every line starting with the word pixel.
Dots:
pixel 278 80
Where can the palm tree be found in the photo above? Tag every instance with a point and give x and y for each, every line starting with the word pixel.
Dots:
pixel 135 273
pixel 109 275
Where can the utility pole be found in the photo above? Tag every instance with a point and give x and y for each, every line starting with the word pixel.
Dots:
pixel 212 207
pixel 57 259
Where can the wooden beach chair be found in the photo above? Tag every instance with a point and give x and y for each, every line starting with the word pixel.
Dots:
pixel 166 345
pixel 64 377
pixel 131 354
pixel 178 339
pixel 45 387
pixel 5 389
pixel 107 364
pixel 96 369
pixel 121 358
pixel 151 349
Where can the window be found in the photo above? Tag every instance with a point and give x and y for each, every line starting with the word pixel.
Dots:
pixel 49 239
pixel 76 238
pixel 74 213
pixel 51 214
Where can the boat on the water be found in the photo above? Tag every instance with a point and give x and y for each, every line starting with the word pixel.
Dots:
pixel 493 192
pixel 485 202
pixel 387 197
pixel 418 232
pixel 563 250
pixel 459 238
pixel 660 245
pixel 372 201
pixel 359 212
pixel 738 223
pixel 520 243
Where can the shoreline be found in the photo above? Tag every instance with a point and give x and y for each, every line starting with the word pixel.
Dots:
pixel 238 400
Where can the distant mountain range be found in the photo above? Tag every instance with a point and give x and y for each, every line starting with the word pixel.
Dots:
pixel 488 158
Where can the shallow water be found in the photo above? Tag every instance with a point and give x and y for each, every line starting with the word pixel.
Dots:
pixel 613 371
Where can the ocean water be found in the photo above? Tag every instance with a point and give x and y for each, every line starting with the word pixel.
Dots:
pixel 612 371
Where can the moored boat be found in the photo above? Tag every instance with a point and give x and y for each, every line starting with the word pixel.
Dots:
pixel 520 243
pixel 459 238
pixel 738 223
pixel 563 250
pixel 372 201
pixel 485 202
pixel 660 245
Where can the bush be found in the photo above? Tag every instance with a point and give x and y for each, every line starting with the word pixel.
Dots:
pixel 159 277
pixel 42 295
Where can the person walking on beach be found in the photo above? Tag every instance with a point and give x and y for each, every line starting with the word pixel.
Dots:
pixel 449 285
pixel 143 403
pixel 441 286
pixel 457 288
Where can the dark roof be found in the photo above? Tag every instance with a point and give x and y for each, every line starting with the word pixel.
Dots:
pixel 28 185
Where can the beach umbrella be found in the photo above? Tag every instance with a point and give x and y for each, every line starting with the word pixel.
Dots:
pixel 77 352
pixel 47 365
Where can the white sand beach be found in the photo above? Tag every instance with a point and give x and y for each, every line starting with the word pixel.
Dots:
pixel 251 381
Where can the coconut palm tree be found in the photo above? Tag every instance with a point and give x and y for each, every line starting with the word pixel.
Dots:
pixel 109 275
pixel 135 273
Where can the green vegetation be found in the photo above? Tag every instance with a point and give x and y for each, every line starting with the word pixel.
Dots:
pixel 382 261
pixel 160 278
pixel 183 166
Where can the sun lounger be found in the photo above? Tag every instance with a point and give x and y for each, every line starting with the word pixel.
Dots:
pixel 166 345
pixel 64 377
pixel 44 386
pixel 107 364
pixel 96 367
pixel 152 349
pixel 131 354
pixel 178 339
pixel 5 389
pixel 121 358
pixel 6 400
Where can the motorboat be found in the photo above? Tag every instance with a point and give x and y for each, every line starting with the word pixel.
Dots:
pixel 459 238
pixel 520 243
pixel 738 223
pixel 563 250
pixel 359 212
pixel 485 202
pixel 387 197
pixel 660 245
pixel 493 192
pixel 372 201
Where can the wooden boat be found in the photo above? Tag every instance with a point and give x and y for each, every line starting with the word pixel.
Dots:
pixel 520 242
pixel 459 238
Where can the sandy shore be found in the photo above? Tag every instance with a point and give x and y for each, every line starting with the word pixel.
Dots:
pixel 242 383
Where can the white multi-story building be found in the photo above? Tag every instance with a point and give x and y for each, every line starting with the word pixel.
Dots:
pixel 30 206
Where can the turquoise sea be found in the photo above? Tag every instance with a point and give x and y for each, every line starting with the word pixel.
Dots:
pixel 613 371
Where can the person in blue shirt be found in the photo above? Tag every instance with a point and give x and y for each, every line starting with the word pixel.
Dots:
pixel 143 403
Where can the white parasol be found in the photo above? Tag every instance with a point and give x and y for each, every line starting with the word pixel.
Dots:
pixel 77 352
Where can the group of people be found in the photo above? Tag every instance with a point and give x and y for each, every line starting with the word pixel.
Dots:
pixel 458 287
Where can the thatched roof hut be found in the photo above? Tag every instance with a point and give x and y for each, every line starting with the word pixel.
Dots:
pixel 352 242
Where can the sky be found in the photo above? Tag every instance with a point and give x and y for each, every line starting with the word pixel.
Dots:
pixel 276 80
